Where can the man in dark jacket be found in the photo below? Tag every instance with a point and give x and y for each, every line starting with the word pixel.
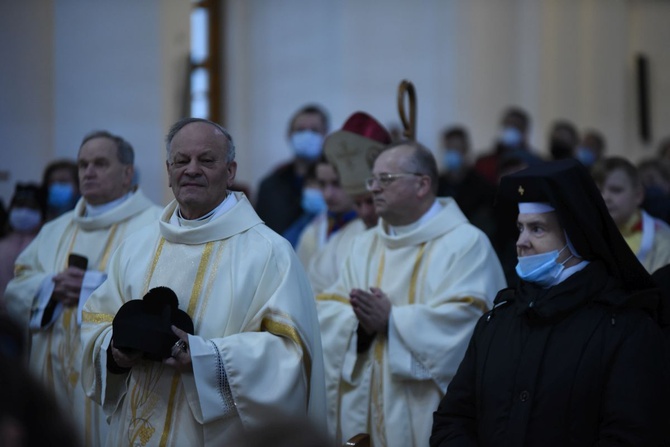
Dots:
pixel 572 356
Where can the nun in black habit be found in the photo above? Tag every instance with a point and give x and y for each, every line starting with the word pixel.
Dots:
pixel 573 355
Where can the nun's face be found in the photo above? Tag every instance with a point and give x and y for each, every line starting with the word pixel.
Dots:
pixel 540 233
pixel 621 196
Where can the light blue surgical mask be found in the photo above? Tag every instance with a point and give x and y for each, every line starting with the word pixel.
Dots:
pixel 541 269
pixel 586 156
pixel 511 136
pixel 453 160
pixel 312 201
pixel 61 195
pixel 25 220
pixel 307 144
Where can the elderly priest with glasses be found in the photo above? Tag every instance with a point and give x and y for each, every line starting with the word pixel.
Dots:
pixel 396 323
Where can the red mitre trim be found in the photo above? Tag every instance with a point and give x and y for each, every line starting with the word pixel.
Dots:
pixel 364 125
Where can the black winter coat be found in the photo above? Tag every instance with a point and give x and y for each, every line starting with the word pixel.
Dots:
pixel 578 364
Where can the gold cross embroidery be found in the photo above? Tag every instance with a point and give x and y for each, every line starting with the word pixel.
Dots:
pixel 521 190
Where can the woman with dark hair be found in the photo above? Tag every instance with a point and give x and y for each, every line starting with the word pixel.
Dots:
pixel 60 187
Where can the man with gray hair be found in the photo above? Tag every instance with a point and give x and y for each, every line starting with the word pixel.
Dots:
pixel 395 324
pixel 253 349
pixel 67 260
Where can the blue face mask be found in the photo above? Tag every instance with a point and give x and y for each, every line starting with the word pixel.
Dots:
pixel 511 137
pixel 586 156
pixel 541 269
pixel 25 220
pixel 312 201
pixel 307 144
pixel 453 160
pixel 61 195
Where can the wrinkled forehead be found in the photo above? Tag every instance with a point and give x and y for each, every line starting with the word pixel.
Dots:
pixel 549 218
pixel 393 160
pixel 98 147
pixel 198 137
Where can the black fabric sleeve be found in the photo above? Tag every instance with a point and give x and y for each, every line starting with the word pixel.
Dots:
pixel 634 406
pixel 455 421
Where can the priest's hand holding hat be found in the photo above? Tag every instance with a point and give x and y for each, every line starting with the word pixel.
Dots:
pixel 153 328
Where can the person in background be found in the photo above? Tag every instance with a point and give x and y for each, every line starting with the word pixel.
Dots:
pixel 563 140
pixel 351 151
pixel 458 179
pixel 255 351
pixel 312 204
pixel 591 148
pixel 26 215
pixel 571 356
pixel 69 259
pixel 60 183
pixel 513 138
pixel 622 190
pixel 278 199
pixel 339 214
pixel 396 322
pixel 655 177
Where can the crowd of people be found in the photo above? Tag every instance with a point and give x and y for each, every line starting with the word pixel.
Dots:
pixel 372 287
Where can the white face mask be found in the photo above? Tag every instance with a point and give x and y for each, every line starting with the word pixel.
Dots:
pixel 24 219
pixel 307 144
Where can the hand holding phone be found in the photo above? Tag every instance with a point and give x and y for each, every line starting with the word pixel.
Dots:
pixel 67 284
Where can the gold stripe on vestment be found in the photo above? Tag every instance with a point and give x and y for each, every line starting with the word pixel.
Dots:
pixel 286 330
pixel 380 270
pixel 199 277
pixel 170 410
pixel 94 317
pixel 157 255
pixel 195 292
pixel 216 261
pixel 415 274
pixel 377 384
pixel 107 251
pixel 332 297
pixel 19 269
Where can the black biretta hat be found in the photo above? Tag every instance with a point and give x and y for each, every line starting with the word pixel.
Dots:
pixel 145 324
pixel 568 187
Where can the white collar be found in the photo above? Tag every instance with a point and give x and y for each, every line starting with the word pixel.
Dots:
pixel 404 229
pixel 224 206
pixel 97 210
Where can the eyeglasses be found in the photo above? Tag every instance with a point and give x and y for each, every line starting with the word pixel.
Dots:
pixel 384 180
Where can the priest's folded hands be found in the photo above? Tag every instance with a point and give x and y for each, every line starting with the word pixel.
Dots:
pixel 372 309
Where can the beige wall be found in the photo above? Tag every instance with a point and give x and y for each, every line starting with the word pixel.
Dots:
pixel 74 66
pixel 569 59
